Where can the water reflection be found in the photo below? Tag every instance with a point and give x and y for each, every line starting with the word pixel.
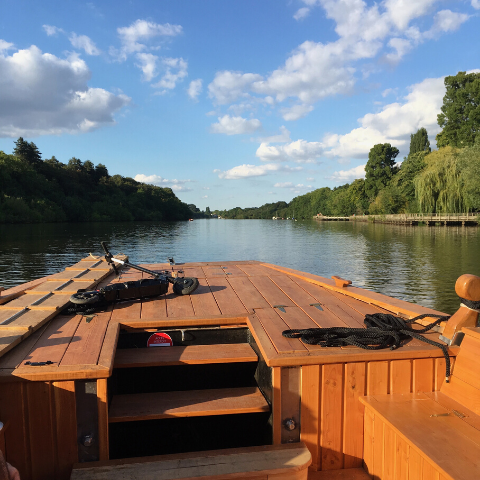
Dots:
pixel 419 264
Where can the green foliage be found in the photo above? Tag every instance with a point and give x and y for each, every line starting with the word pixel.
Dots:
pixel 50 191
pixel 419 142
pixel 380 168
pixel 469 166
pixel 460 117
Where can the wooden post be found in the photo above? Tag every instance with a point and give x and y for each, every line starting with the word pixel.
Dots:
pixel 467 287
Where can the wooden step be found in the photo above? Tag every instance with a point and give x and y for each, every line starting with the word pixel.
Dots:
pixel 191 355
pixel 190 403
pixel 269 462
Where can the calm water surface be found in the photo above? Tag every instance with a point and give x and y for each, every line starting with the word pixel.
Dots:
pixel 418 264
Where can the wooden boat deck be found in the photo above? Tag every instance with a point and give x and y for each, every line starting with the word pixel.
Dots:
pixel 266 298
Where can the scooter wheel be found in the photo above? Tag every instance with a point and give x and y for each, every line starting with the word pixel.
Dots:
pixel 85 298
pixel 185 286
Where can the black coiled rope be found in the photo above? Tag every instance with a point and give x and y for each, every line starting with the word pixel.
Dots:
pixel 383 331
pixel 470 304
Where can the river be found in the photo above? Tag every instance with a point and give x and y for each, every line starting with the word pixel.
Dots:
pixel 415 263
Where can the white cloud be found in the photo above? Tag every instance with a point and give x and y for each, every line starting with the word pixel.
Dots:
pixel 227 86
pixel 175 71
pixel 298 188
pixel 235 125
pixel 347 176
pixel 50 30
pixel 282 137
pixel 301 13
pixel 296 112
pixel 310 179
pixel 195 89
pixel 299 151
pixel 247 171
pixel 85 43
pixel 41 94
pixel 175 185
pixel 394 123
pixel 284 185
pixel 476 4
pixel 446 21
pixel 389 91
pixel 142 31
pixel 148 65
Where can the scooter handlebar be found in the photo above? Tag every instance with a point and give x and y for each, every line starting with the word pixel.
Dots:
pixel 105 248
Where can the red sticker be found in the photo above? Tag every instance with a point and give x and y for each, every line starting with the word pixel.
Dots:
pixel 159 340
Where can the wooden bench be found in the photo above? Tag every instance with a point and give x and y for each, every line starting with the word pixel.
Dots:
pixel 429 436
pixel 271 462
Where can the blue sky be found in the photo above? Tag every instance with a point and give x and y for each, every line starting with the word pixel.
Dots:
pixel 229 103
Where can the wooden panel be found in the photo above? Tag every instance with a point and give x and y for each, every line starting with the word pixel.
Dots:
pixel 296 318
pixel 226 298
pixel 353 414
pixel 203 301
pixel 414 464
pixel 179 306
pixel 310 409
pixel 401 458
pixel 290 392
pixel 85 346
pixel 13 409
pixel 466 364
pixel 109 346
pixel 368 439
pixel 429 472
pixel 277 405
pixel 331 417
pixel 323 318
pixel 66 427
pixel 190 355
pixel 258 270
pixel 248 293
pixel 378 448
pixel 463 393
pixel 102 404
pixel 271 292
pixel 126 311
pixel 41 430
pixel 191 403
pixel 401 376
pixel 389 453
pixel 195 272
pixel 377 378
pixel 350 474
pixel 423 375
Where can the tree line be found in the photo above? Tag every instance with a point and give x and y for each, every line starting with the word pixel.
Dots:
pixel 34 190
pixel 446 180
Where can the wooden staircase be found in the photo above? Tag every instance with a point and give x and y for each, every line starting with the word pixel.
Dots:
pixel 156 394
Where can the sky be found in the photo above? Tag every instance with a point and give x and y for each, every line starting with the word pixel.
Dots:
pixel 229 102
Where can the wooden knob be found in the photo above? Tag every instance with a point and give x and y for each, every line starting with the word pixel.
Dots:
pixel 468 287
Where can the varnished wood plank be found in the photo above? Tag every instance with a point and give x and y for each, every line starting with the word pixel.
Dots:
pixel 102 405
pixel 225 296
pixel 109 345
pixel 55 373
pixel 350 474
pixel 324 318
pixel 14 409
pixel 296 293
pixel 400 376
pixel 401 458
pixel 331 416
pixel 463 393
pixel 257 270
pixel 378 448
pixel 275 462
pixel 377 378
pixel 126 310
pixel 429 472
pixel 261 338
pixel 423 375
pixel 190 355
pixel 179 306
pixel 310 412
pixel 41 429
pixel 274 326
pixel 466 363
pixel 414 464
pixel 388 453
pixel 296 318
pixel 84 349
pixel 203 301
pixel 233 270
pixel 248 293
pixel 353 414
pixel 271 292
pixel 55 340
pixel 196 272
pixel 362 308
pixel 66 427
pixel 31 320
pixel 277 405
pixel 368 439
pixel 224 401
pixel 154 308
pixel 290 392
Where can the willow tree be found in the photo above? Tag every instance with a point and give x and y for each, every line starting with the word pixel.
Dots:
pixel 439 187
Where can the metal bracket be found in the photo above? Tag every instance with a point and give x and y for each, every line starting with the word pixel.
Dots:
pixel 280 307
pixel 317 305
pixel 39 364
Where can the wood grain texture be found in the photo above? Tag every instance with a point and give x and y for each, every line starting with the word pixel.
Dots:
pixel 102 405
pixel 203 301
pixel 248 293
pixel 423 374
pixel 191 403
pixel 400 376
pixel 353 414
pixel 271 292
pixel 368 439
pixel 331 416
pixel 277 405
pixel 179 306
pixel 226 298
pixel 190 355
pixel 310 412
pixel 377 378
